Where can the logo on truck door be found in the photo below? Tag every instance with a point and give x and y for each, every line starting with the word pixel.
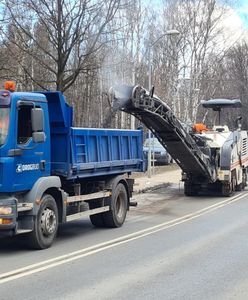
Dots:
pixel 29 167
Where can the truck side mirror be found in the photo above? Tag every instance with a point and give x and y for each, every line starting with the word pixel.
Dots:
pixel 37 119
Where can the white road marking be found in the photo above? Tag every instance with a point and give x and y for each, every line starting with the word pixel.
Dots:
pixel 63 259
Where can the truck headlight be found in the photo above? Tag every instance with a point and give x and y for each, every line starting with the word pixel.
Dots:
pixel 6 210
pixel 5 221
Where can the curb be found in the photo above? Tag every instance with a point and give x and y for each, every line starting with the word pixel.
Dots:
pixel 152 188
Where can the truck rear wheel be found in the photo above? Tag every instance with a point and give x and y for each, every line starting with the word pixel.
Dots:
pixel 45 224
pixel 96 220
pixel 119 204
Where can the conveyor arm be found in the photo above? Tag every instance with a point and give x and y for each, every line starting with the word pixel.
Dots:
pixel 158 117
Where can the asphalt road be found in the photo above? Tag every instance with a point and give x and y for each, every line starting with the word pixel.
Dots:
pixel 171 247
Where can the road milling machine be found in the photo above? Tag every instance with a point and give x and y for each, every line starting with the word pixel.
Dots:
pixel 212 159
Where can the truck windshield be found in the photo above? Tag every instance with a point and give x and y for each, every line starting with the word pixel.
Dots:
pixel 4 124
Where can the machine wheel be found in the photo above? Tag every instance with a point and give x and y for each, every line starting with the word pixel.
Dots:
pixel 244 179
pixel 119 204
pixel 45 224
pixel 190 189
pixel 96 220
pixel 242 185
pixel 239 187
pixel 227 188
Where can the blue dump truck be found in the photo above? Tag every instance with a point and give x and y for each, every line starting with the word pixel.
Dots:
pixel 52 172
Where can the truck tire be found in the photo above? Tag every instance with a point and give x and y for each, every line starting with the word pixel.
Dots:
pixel 45 224
pixel 96 220
pixel 118 207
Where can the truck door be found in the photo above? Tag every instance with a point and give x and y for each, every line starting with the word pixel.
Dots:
pixel 30 163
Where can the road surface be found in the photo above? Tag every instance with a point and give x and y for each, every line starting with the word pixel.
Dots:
pixel 171 247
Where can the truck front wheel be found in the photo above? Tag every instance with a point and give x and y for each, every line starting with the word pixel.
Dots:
pixel 45 224
pixel 119 204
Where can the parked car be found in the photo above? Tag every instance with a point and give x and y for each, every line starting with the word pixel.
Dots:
pixel 161 156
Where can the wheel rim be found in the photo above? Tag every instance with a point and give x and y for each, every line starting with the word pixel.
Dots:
pixel 48 222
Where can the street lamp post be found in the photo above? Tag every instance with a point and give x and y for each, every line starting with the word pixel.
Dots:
pixel 171 32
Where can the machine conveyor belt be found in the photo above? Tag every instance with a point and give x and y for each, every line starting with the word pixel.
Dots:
pixel 158 117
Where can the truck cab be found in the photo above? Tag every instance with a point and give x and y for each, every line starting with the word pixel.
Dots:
pixel 25 142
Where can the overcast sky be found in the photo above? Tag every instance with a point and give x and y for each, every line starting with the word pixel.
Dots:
pixel 240 8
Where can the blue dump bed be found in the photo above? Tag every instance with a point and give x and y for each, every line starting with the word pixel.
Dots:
pixel 101 152
pixel 84 152
pixel 97 152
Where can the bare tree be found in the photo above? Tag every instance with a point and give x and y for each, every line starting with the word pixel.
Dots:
pixel 184 65
pixel 59 35
pixel 83 47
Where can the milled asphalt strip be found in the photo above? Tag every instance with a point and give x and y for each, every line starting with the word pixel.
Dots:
pixel 51 263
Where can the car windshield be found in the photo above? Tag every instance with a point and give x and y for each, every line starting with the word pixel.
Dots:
pixel 4 124
pixel 154 143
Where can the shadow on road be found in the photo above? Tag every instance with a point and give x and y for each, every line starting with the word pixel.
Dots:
pixel 12 245
pixel 75 229
pixel 67 233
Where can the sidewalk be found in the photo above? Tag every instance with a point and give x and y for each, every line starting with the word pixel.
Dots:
pixel 164 176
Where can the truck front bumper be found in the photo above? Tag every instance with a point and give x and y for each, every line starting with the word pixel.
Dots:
pixel 8 216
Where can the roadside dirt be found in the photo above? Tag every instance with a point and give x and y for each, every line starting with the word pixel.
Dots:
pixel 161 177
pixel 157 170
